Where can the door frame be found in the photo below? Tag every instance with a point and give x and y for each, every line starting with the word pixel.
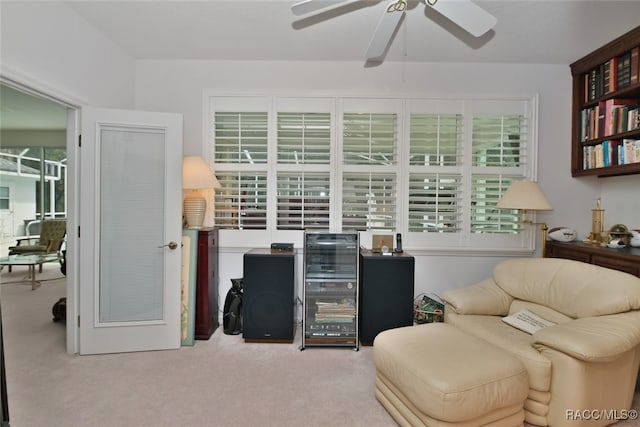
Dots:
pixel 73 106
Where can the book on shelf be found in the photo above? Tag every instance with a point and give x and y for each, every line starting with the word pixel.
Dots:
pixel 610 117
pixel 624 70
pixel 635 66
pixel 614 74
pixel 610 76
pixel 609 153
pixel 633 119
pixel 590 123
pixel 630 152
pixel 614 113
pixel 593 86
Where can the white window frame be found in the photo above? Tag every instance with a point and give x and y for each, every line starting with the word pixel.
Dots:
pixel 463 243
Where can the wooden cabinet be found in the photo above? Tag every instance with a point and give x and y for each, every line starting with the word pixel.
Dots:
pixel 600 130
pixel 625 259
pixel 386 293
pixel 206 320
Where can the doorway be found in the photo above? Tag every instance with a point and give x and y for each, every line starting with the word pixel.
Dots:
pixel 38 134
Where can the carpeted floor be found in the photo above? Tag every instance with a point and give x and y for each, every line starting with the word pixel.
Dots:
pixel 220 382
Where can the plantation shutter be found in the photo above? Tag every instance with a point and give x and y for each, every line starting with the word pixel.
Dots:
pixel 240 137
pixel 435 203
pixel 499 141
pixel 345 163
pixel 485 217
pixel 369 201
pixel 241 203
pixel 435 180
pixel 369 138
pixel 304 138
pixel 435 139
pixel 500 137
pixel 303 201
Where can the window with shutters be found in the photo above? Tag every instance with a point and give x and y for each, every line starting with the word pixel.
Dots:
pixel 498 159
pixel 435 178
pixel 369 166
pixel 435 139
pixel 435 202
pixel 303 201
pixel 368 201
pixel 241 203
pixel 304 138
pixel 303 179
pixel 240 137
pixel 432 169
pixel 369 139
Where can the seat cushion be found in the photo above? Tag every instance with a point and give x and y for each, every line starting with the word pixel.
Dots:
pixel 448 374
pixel 493 330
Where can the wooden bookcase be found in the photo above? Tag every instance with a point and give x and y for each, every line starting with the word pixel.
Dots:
pixel 594 83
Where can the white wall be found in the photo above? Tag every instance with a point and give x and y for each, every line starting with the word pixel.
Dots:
pixel 180 86
pixel 621 201
pixel 49 45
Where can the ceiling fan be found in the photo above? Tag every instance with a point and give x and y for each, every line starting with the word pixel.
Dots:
pixel 467 15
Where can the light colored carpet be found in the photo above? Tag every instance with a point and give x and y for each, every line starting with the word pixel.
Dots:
pixel 220 382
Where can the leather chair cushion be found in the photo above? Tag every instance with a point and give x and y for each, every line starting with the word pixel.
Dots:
pixel 572 288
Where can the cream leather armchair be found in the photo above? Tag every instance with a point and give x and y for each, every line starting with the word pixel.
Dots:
pixel 586 363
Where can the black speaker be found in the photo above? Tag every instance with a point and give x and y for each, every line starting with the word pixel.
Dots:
pixel 268 298
pixel 386 293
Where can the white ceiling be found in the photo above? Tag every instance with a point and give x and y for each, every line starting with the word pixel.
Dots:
pixel 528 31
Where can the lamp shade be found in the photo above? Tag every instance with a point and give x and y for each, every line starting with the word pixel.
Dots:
pixel 197 174
pixel 524 195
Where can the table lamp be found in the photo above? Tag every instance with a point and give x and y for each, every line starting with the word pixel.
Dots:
pixel 196 175
pixel 527 196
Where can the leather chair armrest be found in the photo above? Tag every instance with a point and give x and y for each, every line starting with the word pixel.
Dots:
pixel 482 298
pixel 592 339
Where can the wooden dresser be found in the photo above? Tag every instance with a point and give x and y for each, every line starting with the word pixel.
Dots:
pixel 625 259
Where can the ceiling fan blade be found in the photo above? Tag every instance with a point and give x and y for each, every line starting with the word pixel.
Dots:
pixel 308 6
pixel 469 16
pixel 381 38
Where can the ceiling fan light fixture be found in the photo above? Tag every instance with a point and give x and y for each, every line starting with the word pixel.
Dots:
pixel 397 6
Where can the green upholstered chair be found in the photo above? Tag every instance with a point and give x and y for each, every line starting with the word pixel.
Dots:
pixel 52 234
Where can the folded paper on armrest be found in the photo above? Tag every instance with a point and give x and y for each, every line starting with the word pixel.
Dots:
pixel 527 321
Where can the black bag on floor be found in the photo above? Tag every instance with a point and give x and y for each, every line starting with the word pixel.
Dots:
pixel 59 310
pixel 232 315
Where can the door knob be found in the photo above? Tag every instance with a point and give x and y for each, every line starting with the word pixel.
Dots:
pixel 172 245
